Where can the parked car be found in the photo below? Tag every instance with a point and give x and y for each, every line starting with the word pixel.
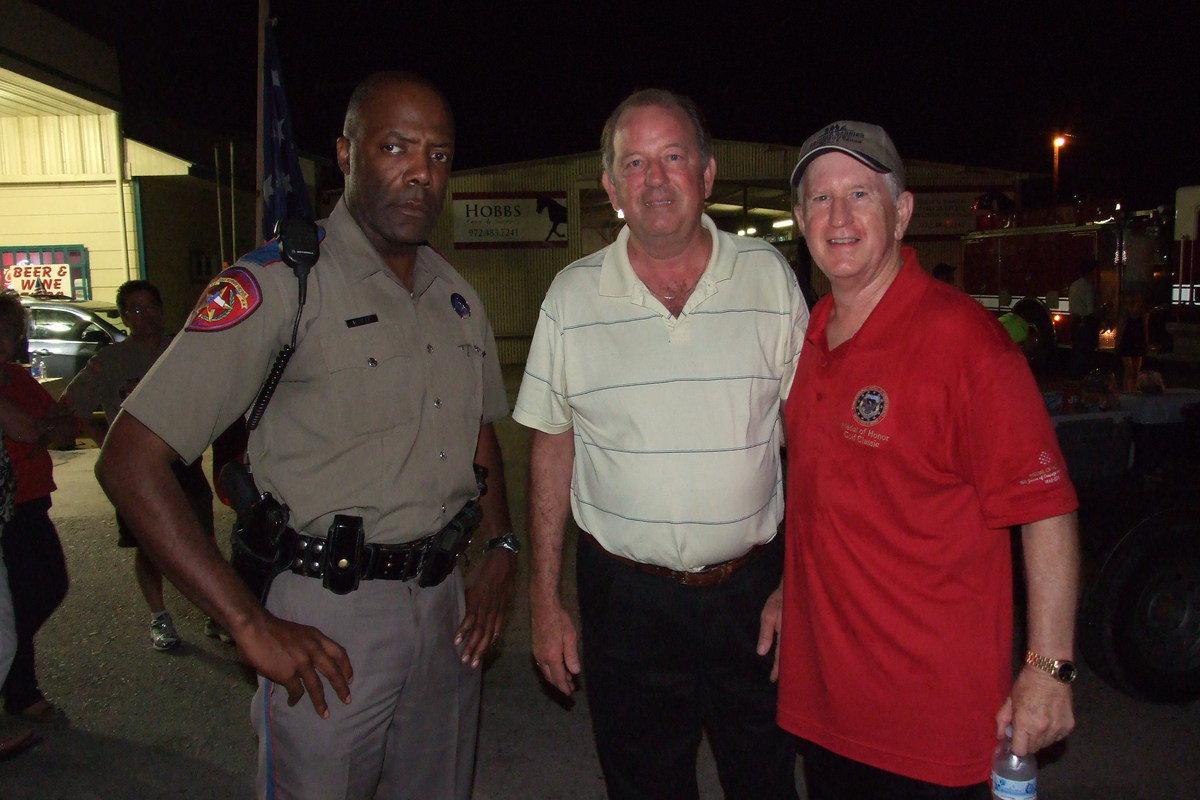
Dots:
pixel 65 333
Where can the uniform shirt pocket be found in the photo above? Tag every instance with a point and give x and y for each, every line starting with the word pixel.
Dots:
pixel 374 388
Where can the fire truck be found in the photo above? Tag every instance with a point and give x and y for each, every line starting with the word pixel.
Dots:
pixel 1028 270
pixel 1139 625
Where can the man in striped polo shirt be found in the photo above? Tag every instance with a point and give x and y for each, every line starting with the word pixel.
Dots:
pixel 653 386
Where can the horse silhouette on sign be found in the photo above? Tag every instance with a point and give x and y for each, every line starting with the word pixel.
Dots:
pixel 557 213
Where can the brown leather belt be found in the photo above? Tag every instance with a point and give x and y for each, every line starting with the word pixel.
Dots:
pixel 711 575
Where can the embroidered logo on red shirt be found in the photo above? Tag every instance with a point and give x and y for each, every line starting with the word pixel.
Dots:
pixel 870 405
pixel 1050 472
pixel 230 298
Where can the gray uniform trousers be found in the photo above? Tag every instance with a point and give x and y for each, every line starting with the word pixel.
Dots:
pixel 411 728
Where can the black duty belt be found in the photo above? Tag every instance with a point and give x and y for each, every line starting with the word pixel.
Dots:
pixel 381 562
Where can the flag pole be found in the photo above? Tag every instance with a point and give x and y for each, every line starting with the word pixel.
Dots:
pixel 220 213
pixel 264 9
pixel 235 253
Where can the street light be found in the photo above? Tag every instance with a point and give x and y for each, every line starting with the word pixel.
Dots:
pixel 1058 142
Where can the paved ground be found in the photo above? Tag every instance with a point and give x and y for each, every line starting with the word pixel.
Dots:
pixel 142 725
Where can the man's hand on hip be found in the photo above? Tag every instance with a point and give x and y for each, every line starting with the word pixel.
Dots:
pixel 292 655
pixel 555 644
pixel 490 590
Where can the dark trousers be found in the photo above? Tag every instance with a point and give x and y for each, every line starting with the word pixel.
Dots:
pixel 1085 334
pixel 664 663
pixel 37 578
pixel 829 776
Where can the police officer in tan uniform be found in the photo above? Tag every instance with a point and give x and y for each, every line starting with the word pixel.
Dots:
pixel 388 398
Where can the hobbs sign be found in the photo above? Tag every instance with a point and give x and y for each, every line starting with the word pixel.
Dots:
pixel 509 219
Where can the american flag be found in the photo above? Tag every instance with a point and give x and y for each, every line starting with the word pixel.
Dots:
pixel 283 190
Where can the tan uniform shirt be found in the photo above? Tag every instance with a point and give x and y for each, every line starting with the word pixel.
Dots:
pixel 110 376
pixel 379 411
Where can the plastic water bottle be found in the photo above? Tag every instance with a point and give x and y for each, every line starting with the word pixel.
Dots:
pixel 1013 777
pixel 41 367
pixel 35 367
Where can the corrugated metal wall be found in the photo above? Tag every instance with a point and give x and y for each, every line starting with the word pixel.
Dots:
pixel 71 213
pixel 512 282
pixel 56 149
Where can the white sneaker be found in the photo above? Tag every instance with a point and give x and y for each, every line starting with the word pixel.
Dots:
pixel 162 632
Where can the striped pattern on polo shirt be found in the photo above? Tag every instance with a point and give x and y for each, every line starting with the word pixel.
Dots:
pixel 675 421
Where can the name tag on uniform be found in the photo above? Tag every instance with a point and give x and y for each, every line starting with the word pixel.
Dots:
pixel 357 321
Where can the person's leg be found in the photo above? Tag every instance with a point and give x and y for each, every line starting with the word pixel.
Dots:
pixel 10 745
pixel 149 580
pixel 431 741
pixel 196 489
pixel 640 674
pixel 829 776
pixel 200 497
pixel 304 757
pixel 37 574
pixel 8 625
pixel 756 759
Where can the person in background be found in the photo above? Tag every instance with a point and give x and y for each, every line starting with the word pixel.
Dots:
pixel 1132 340
pixel 896 647
pixel 1085 319
pixel 33 554
pixel 104 383
pixel 21 427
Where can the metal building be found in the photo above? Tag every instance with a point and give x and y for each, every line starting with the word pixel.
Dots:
pixel 83 208
pixel 510 228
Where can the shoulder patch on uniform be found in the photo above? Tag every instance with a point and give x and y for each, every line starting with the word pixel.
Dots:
pixel 230 298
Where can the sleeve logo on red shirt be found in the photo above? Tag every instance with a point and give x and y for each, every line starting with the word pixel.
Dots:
pixel 1050 472
pixel 870 405
pixel 230 298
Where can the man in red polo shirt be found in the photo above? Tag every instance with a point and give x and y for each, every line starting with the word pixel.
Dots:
pixel 917 438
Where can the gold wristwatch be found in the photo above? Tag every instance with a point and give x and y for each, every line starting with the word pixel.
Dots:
pixel 1062 671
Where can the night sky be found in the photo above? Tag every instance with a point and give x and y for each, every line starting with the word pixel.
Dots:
pixel 975 83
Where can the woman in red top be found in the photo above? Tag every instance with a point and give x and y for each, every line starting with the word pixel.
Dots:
pixel 33 554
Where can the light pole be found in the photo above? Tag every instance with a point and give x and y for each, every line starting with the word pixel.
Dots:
pixel 1058 142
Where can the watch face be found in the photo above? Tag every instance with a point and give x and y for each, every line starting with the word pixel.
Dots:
pixel 1066 672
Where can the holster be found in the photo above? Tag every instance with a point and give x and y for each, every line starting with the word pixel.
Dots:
pixel 261 544
pixel 448 544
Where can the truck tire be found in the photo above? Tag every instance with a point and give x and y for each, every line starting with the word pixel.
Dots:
pixel 1141 618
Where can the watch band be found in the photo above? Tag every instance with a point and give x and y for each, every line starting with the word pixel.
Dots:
pixel 1060 670
pixel 507 541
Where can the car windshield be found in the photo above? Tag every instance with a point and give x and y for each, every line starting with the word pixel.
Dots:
pixel 113 317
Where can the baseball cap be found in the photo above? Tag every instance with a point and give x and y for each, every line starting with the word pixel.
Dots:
pixel 863 141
